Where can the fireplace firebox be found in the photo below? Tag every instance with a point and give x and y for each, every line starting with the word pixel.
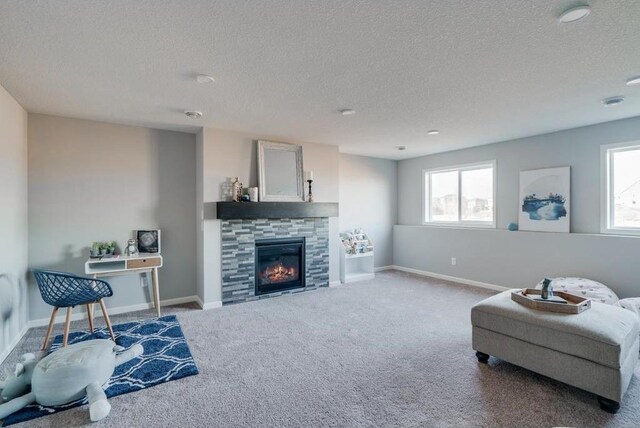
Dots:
pixel 279 265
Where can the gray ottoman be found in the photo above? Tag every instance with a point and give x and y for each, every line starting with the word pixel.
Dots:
pixel 596 350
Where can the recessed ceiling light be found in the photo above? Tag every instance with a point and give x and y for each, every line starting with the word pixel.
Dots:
pixel 193 114
pixel 401 148
pixel 633 81
pixel 574 14
pixel 613 101
pixel 433 132
pixel 347 111
pixel 203 78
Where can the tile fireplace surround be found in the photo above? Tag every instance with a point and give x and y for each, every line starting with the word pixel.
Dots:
pixel 238 253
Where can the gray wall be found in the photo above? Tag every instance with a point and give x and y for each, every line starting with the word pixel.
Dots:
pixel 368 199
pixel 13 221
pixel 96 181
pixel 520 258
pixel 228 154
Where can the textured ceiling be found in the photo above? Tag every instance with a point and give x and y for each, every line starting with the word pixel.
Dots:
pixel 479 71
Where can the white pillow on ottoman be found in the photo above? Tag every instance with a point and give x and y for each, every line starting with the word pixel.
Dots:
pixel 584 288
pixel 631 303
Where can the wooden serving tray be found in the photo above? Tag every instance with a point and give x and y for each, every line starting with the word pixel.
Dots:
pixel 574 305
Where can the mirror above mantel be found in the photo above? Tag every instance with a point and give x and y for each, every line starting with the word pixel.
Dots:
pixel 280 172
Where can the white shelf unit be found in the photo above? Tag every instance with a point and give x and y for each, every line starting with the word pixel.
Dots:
pixel 355 267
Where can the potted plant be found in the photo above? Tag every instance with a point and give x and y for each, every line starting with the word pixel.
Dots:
pixel 103 248
pixel 111 247
pixel 95 250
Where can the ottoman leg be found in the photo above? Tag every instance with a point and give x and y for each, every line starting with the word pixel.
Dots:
pixel 482 357
pixel 608 405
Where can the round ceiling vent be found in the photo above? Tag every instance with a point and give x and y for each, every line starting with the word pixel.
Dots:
pixel 613 101
pixel 193 114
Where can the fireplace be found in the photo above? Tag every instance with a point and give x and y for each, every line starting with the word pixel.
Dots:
pixel 279 265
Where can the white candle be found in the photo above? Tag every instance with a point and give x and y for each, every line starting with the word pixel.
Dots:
pixel 309 175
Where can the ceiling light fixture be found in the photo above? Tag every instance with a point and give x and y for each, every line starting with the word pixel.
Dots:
pixel 613 101
pixel 633 81
pixel 193 114
pixel 204 78
pixel 433 132
pixel 401 148
pixel 574 14
pixel 347 111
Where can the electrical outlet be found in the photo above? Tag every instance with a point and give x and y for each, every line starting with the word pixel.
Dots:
pixel 143 281
pixel 453 261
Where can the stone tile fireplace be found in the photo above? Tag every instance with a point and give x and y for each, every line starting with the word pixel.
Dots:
pixel 246 277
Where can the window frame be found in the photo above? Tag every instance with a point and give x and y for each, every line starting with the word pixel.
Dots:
pixel 607 204
pixel 426 196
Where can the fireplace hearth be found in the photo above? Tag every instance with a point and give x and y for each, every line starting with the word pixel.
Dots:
pixel 279 265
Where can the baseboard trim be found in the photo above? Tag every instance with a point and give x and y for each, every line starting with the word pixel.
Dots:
pixel 199 302
pixel 4 354
pixel 212 305
pixel 383 268
pixel 450 278
pixel 335 283
pixel 82 315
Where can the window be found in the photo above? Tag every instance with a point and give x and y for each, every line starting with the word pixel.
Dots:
pixel 621 188
pixel 462 195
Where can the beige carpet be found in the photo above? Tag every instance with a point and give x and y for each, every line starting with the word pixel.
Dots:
pixel 394 351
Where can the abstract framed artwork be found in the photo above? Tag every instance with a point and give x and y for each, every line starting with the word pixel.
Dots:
pixel 545 200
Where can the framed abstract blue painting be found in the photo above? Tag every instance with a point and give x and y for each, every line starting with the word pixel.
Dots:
pixel 545 200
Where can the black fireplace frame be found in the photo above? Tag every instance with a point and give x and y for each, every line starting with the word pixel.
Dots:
pixel 278 287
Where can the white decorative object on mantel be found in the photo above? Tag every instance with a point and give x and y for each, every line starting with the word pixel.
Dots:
pixel 356 256
pixel 253 194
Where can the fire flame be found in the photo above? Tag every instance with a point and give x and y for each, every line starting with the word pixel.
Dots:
pixel 279 273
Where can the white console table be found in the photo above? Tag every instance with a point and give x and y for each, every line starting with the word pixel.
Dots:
pixel 125 265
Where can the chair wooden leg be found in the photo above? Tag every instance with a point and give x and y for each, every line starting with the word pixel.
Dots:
pixel 45 345
pixel 90 315
pixel 67 324
pixel 106 319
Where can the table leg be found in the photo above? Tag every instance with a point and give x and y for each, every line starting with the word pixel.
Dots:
pixel 156 290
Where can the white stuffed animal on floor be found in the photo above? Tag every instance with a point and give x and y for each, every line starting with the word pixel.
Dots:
pixel 66 375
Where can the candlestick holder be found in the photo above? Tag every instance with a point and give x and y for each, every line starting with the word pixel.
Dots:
pixel 310 197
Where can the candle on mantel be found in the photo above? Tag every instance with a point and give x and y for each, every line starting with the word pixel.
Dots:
pixel 309 176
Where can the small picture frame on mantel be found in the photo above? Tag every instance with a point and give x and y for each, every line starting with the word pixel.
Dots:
pixel 148 241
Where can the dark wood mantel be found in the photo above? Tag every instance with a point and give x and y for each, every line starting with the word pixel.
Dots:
pixel 254 210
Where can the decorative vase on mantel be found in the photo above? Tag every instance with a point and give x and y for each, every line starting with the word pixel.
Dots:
pixel 236 190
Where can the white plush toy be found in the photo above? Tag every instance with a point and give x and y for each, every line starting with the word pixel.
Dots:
pixel 66 375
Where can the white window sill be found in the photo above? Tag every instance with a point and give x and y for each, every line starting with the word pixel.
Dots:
pixel 460 225
pixel 620 231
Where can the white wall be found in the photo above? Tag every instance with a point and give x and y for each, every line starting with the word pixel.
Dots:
pixel 227 154
pixel 368 199
pixel 93 181
pixel 520 258
pixel 13 222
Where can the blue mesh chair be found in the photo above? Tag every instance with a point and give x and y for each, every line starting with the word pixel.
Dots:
pixel 64 290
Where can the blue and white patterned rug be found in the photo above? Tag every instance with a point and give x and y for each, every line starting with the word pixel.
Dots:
pixel 166 357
